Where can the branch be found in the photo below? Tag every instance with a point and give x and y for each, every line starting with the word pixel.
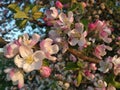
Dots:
pixel 2 42
pixel 80 55
pixel 39 23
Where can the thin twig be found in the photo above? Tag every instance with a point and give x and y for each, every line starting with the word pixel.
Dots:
pixel 80 55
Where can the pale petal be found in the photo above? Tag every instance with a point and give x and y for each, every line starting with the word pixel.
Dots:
pixel 107 30
pixel 27 68
pixel 35 39
pixel 82 42
pixel 54 48
pixel 85 34
pixel 10 50
pixel 52 58
pixel 107 40
pixel 73 41
pixel 55 12
pixel 71 33
pixel 79 27
pixel 46 43
pixel 53 34
pixel 36 65
pixel 25 51
pixel 20 80
pixel 7 70
pixel 70 16
pixel 62 17
pixel 25 37
pixel 19 61
pixel 38 56
pixel 14 78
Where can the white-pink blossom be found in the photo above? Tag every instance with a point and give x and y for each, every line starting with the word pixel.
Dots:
pixel 49 48
pixel 16 76
pixel 116 63
pixel 29 60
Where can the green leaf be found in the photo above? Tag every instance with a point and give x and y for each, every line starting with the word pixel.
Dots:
pixel 80 64
pixel 74 7
pixel 81 9
pixel 14 7
pixel 111 79
pixel 35 9
pixel 85 22
pixel 45 63
pixel 27 8
pixel 71 66
pixel 79 78
pixel 65 1
pixel 37 15
pixel 116 84
pixel 23 23
pixel 20 14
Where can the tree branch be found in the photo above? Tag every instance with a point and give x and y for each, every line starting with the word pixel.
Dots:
pixel 39 23
pixel 80 55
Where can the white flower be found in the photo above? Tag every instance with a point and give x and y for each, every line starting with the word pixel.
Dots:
pixel 105 66
pixel 77 36
pixel 65 21
pixel 100 84
pixel 10 50
pixel 49 49
pixel 52 13
pixel 25 40
pixel 15 76
pixel 29 60
pixel 116 62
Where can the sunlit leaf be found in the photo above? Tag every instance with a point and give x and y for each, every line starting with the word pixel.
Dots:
pixel 79 78
pixel 80 64
pixel 35 9
pixel 27 8
pixel 20 14
pixel 14 7
pixel 37 15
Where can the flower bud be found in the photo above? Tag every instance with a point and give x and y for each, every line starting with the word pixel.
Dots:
pixel 93 66
pixel 91 26
pixel 59 4
pixel 45 71
pixel 83 4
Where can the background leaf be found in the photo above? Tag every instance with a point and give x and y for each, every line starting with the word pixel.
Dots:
pixel 79 78
pixel 35 9
pixel 37 15
pixel 71 66
pixel 20 14
pixel 14 7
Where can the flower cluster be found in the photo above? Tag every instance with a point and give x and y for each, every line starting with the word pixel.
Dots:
pixel 91 53
pixel 26 57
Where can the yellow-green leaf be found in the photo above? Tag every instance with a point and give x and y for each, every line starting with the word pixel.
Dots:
pixel 79 78
pixel 27 8
pixel 23 23
pixel 20 14
pixel 37 15
pixel 71 66
pixel 35 9
pixel 14 7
